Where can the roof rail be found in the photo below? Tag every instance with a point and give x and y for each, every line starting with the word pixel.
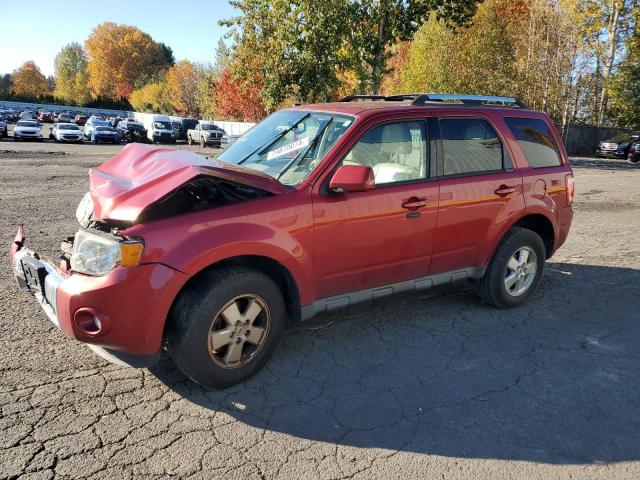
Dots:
pixel 351 98
pixel 426 98
pixel 467 99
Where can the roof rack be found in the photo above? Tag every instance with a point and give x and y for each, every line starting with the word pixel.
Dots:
pixel 427 98
pixel 467 99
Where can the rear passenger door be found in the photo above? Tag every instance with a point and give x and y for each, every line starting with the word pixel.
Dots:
pixel 480 192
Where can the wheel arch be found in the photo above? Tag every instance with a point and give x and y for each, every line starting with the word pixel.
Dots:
pixel 543 226
pixel 275 270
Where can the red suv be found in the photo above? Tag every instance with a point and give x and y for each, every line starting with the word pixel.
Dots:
pixel 315 208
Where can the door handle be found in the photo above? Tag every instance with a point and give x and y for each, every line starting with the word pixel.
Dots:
pixel 504 190
pixel 414 203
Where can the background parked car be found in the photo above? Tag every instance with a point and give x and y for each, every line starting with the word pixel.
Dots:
pixel 91 124
pixel 131 131
pixel 105 134
pixel 45 116
pixel 27 129
pixel 634 152
pixel 80 119
pixel 616 147
pixel 65 118
pixel 66 132
pixel 3 128
pixel 186 124
pixel 27 115
pixel 206 135
pixel 227 140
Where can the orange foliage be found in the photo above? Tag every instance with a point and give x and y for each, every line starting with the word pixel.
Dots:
pixel 182 86
pixel 29 80
pixel 239 100
pixel 118 55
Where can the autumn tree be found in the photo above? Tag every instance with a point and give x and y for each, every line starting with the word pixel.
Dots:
pixel 118 55
pixel 207 78
pixel 72 75
pixel 236 99
pixel 182 88
pixel 432 59
pixel 153 97
pixel 625 84
pixel 28 80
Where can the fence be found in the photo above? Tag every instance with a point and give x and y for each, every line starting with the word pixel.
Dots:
pixel 583 139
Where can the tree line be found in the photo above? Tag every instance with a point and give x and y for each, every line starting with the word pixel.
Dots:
pixel 578 60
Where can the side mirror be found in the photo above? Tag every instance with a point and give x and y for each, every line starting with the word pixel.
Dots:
pixel 352 178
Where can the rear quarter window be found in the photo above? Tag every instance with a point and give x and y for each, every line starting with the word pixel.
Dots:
pixel 535 140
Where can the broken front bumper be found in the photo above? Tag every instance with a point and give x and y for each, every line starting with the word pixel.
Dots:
pixel 131 304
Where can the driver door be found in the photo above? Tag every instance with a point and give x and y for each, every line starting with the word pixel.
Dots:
pixel 384 235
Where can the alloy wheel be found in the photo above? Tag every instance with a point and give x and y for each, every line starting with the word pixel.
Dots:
pixel 239 331
pixel 521 271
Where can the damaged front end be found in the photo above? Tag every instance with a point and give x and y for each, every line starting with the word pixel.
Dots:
pixel 102 292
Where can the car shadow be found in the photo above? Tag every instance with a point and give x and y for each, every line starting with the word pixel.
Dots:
pixel 437 372
pixel 603 163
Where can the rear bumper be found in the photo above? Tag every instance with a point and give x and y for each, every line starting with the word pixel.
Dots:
pixel 610 153
pixel 131 304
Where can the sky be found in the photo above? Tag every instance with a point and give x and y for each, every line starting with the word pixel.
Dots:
pixel 37 30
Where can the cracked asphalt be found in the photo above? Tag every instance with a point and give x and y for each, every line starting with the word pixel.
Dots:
pixel 426 385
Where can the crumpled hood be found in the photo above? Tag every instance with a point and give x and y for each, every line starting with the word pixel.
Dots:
pixel 123 186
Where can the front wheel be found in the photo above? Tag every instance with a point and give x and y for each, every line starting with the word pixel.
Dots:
pixel 515 271
pixel 202 144
pixel 225 327
pixel 190 140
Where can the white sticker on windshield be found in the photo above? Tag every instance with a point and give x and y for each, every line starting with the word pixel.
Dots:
pixel 288 148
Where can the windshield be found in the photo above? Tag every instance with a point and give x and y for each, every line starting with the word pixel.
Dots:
pixel 208 127
pixel 28 124
pixel 162 125
pixel 101 123
pixel 624 137
pixel 289 144
pixel 68 126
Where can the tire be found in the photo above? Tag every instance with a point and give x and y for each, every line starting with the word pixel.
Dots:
pixel 202 144
pixel 197 313
pixel 190 140
pixel 492 288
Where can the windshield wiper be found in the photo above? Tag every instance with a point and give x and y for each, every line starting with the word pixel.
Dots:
pixel 312 144
pixel 268 143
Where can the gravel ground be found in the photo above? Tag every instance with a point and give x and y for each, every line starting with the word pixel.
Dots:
pixel 428 385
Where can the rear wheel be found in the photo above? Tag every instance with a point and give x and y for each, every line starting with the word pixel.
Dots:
pixel 190 140
pixel 224 328
pixel 515 271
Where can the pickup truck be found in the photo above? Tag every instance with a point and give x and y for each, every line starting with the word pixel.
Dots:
pixel 205 134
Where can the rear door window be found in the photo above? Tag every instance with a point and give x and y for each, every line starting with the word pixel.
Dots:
pixel 535 140
pixel 470 145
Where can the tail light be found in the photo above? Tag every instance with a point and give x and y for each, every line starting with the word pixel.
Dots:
pixel 569 188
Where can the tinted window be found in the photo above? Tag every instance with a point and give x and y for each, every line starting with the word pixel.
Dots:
pixel 469 145
pixel 536 141
pixel 395 151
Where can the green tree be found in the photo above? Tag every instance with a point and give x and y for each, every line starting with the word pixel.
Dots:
pixel 432 60
pixel 487 56
pixel 625 84
pixel 71 74
pixel 153 97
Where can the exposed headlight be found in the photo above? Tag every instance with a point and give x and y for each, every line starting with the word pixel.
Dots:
pixel 97 255
pixel 84 212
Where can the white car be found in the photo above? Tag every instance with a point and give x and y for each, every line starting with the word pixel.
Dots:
pixel 25 129
pixel 91 125
pixel 66 132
